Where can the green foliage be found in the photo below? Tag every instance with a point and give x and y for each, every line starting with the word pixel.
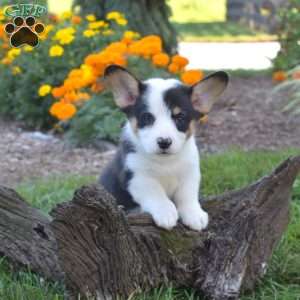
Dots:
pixel 292 86
pixel 238 168
pixel 19 92
pixel 20 97
pixel 289 35
pixel 98 119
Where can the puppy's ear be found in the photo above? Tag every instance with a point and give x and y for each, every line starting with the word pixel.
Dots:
pixel 124 86
pixel 206 92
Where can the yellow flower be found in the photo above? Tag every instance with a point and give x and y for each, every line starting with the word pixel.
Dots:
pixel 16 70
pixel 130 34
pixel 56 50
pixel 108 32
pixel 97 25
pixel 44 90
pixel 13 53
pixel 45 33
pixel 65 36
pixel 113 15
pixel 28 48
pixel 66 15
pixel 91 18
pixel 121 21
pixel 89 33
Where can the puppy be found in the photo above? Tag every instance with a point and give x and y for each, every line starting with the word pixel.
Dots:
pixel 157 164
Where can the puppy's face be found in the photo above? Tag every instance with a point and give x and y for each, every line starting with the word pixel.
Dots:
pixel 162 112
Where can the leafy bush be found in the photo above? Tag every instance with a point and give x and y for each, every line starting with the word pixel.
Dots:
pixel 291 83
pixel 289 36
pixel 58 84
pixel 286 64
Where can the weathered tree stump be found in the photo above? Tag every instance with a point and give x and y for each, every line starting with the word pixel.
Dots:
pixel 25 236
pixel 105 253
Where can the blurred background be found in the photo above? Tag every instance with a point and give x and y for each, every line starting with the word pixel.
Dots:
pixel 59 126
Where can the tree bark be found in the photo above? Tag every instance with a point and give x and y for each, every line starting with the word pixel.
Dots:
pixel 25 236
pixel 105 253
pixel 144 16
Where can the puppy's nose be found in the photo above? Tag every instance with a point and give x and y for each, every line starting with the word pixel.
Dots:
pixel 164 143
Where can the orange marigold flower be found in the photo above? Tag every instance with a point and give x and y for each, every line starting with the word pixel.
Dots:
pixel 279 76
pixel 70 97
pixel 191 77
pixel 296 75
pixel 161 59
pixel 63 111
pixel 116 47
pixel 173 68
pixel 180 61
pixel 76 19
pixel 58 92
pixel 83 96
pixel 97 87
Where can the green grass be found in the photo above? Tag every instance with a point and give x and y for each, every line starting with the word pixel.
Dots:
pixel 205 21
pixel 197 10
pixel 221 172
pixel 219 32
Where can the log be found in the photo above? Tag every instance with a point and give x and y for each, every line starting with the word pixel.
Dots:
pixel 105 253
pixel 26 238
pixel 100 251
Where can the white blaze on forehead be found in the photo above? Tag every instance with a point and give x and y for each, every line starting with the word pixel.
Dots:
pixel 155 91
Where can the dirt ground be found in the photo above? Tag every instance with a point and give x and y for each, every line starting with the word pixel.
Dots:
pixel 250 116
pixel 244 117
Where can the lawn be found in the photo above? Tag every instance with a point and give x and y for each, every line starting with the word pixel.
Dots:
pixel 219 32
pixel 237 169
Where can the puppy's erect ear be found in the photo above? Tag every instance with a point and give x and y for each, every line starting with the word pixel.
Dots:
pixel 206 92
pixel 124 86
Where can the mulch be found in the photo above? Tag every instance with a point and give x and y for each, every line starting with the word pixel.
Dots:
pixel 249 115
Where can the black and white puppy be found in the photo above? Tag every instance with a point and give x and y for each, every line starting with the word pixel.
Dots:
pixel 157 165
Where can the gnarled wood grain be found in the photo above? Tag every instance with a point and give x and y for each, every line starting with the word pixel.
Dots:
pixel 25 236
pixel 104 253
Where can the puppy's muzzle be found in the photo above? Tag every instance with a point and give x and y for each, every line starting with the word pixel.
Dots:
pixel 164 143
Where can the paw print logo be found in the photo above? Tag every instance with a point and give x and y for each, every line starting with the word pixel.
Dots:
pixel 24 31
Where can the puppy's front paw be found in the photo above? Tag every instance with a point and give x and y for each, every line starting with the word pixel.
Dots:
pixel 196 219
pixel 165 215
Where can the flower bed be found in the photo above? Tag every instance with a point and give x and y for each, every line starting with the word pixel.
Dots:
pixel 59 83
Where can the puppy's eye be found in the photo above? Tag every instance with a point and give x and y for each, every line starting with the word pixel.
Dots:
pixel 146 119
pixel 179 118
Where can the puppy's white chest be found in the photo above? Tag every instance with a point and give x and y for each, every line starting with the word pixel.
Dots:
pixel 169 179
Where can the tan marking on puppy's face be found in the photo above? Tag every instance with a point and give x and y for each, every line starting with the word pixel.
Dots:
pixel 191 129
pixel 176 110
pixel 134 124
